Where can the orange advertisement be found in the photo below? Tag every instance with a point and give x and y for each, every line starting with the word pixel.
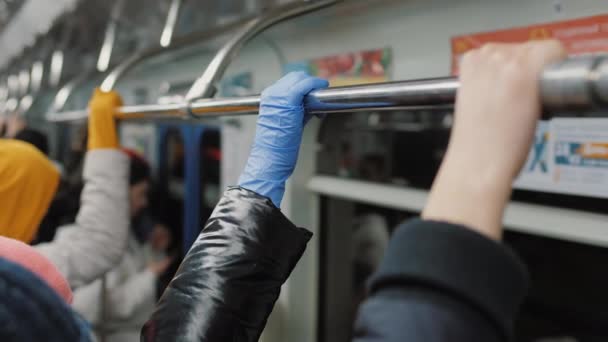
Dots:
pixel 579 36
pixel 593 150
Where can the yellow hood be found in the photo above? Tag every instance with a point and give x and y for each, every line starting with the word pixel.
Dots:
pixel 28 182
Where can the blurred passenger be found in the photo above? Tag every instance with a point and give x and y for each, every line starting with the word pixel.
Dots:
pixel 66 203
pixel 91 246
pixel 60 203
pixel 445 277
pixel 74 160
pixel 347 160
pixel 372 168
pixel 118 305
pixel 370 239
pixel 371 231
pixel 34 137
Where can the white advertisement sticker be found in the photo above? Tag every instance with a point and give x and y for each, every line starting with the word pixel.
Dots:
pixel 569 156
pixel 580 156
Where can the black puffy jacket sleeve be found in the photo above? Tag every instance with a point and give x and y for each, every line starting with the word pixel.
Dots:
pixel 227 285
pixel 441 282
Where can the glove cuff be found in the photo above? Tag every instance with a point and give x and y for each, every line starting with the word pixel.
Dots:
pixel 267 171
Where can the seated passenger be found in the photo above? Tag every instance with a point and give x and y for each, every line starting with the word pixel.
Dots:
pixel 94 244
pixel 445 277
pixel 118 305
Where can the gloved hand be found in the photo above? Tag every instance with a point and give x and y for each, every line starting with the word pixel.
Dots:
pixel 102 123
pixel 278 135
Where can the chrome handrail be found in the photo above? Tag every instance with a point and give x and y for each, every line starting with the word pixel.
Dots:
pixel 576 84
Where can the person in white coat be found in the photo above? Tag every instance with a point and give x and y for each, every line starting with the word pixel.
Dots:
pixel 85 250
pixel 118 305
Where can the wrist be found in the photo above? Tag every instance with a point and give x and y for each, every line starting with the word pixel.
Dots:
pixel 473 199
pixel 269 189
pixel 267 171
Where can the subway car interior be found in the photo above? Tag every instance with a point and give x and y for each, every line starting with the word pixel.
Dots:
pixel 189 73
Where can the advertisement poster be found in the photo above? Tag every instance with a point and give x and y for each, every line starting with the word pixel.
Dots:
pixel 579 36
pixel 362 67
pixel 570 156
pixel 580 149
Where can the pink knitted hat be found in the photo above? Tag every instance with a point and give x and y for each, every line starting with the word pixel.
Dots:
pixel 26 256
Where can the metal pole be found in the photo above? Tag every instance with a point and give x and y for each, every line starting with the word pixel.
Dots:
pixel 105 55
pixel 167 36
pixel 205 86
pixel 577 84
pixel 246 31
pixel 165 45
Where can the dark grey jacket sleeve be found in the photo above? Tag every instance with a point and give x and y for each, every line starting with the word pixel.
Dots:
pixel 442 283
pixel 228 283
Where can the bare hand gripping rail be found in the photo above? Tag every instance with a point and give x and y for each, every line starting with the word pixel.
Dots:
pixel 576 84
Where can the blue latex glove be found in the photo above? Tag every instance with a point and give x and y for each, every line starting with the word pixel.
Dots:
pixel 278 135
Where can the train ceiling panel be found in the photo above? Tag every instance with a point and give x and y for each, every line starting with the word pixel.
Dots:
pixel 25 21
pixel 78 28
pixel 139 24
pixel 197 16
pixel 8 9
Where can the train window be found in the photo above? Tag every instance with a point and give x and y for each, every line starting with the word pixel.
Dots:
pixel 567 297
pixel 140 25
pixel 197 16
pixel 404 150
pixel 353 239
pixel 210 160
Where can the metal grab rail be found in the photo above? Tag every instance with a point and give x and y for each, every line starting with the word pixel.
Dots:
pixel 110 80
pixel 205 85
pixel 578 84
pixel 224 56
pixel 103 60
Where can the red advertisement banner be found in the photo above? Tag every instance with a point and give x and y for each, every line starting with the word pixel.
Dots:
pixel 580 36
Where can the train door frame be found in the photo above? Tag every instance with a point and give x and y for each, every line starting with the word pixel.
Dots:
pixel 192 135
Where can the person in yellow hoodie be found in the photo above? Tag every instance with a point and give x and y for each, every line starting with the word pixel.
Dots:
pixel 94 243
